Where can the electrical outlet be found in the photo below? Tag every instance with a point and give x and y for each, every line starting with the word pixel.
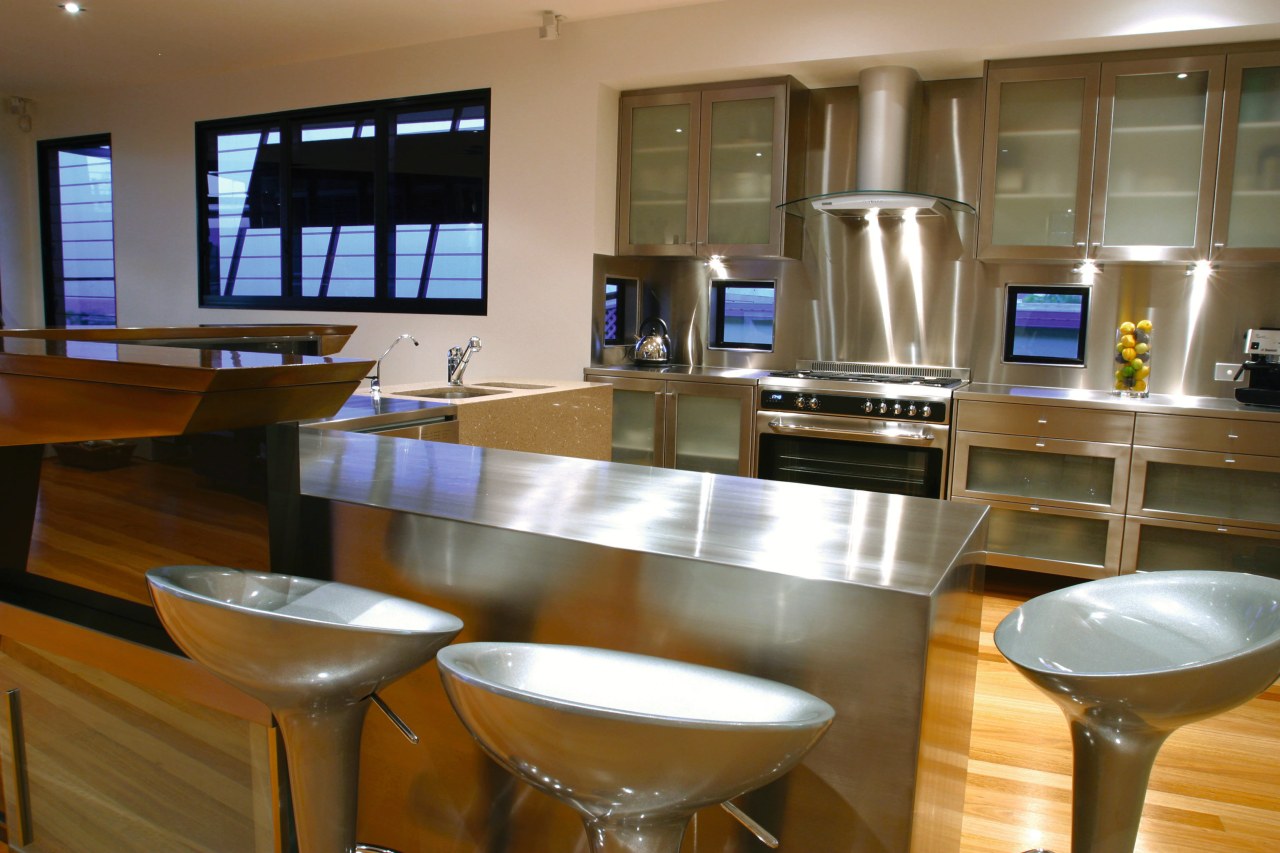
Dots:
pixel 1225 371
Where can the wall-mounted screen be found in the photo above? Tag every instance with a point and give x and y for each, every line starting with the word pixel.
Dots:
pixel 1046 324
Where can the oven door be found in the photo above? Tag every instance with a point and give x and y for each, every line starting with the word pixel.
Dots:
pixel 853 453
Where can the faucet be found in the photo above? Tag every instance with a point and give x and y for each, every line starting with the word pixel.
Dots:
pixel 375 381
pixel 460 358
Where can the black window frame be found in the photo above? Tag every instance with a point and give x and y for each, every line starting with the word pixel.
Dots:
pixel 719 293
pixel 383 300
pixel 1013 291
pixel 51 256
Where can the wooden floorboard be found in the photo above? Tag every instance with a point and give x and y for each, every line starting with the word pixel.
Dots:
pixel 1215 787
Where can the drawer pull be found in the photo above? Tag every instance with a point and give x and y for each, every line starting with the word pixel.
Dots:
pixel 1222 530
pixel 1043 421
pixel 1034 508
pixel 1229 461
pixel 1232 436
pixel 1039 444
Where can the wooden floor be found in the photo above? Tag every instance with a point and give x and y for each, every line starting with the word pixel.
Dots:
pixel 1215 787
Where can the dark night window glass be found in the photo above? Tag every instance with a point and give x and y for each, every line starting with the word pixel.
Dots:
pixel 1046 324
pixel 364 207
pixel 77 231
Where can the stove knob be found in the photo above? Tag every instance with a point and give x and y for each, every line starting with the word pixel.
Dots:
pixel 884 407
pixel 911 410
pixel 897 408
pixel 926 411
pixel 868 407
pixel 813 402
pixel 800 401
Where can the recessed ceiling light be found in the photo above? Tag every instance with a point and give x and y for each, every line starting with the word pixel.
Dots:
pixel 72 8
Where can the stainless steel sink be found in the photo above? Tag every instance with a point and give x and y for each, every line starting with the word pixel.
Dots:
pixel 516 385
pixel 448 392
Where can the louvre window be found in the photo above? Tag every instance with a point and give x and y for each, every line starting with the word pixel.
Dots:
pixel 362 207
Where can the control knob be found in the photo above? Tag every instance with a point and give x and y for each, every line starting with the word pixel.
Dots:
pixel 926 411
pixel 868 407
pixel 911 410
pixel 884 407
pixel 897 408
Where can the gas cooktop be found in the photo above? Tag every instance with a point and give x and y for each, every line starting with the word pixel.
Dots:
pixel 886 378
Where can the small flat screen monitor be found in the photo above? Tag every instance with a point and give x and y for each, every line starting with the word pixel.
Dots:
pixel 1046 324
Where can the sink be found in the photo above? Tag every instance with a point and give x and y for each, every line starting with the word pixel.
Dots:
pixel 516 385
pixel 448 392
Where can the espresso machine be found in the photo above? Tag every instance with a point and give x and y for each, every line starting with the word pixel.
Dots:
pixel 1262 347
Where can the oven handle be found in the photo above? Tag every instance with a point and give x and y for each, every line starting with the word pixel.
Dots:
pixel 880 437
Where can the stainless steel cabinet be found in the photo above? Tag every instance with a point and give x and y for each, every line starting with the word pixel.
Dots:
pixel 1056 479
pixel 702 171
pixel 1204 486
pixel 680 423
pixel 1113 160
pixel 1247 205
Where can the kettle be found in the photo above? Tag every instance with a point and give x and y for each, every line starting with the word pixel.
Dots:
pixel 653 344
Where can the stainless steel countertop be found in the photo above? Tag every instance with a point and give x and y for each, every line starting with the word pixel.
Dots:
pixel 814 532
pixel 730 375
pixel 1160 404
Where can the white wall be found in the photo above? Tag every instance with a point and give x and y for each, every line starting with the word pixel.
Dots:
pixel 553 149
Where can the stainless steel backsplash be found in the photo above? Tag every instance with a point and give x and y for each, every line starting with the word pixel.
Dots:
pixel 858 296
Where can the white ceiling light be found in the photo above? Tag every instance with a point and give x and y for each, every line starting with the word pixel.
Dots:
pixel 72 8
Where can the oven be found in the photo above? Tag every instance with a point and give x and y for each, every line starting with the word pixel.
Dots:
pixel 861 427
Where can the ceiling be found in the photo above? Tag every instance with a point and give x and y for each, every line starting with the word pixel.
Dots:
pixel 45 51
pixel 122 42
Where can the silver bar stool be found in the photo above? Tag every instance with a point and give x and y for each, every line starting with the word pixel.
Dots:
pixel 316 653
pixel 635 744
pixel 1129 660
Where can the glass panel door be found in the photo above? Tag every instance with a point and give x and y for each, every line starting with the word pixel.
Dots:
pixel 1254 180
pixel 1040 475
pixel 659 200
pixel 708 434
pixel 1040 535
pixel 1163 547
pixel 1038 163
pixel 740 172
pixel 636 435
pixel 1209 487
pixel 1155 178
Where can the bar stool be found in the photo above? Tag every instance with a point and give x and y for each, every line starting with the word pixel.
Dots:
pixel 1129 660
pixel 635 744
pixel 316 653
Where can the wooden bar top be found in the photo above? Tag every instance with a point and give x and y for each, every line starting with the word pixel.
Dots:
pixel 80 384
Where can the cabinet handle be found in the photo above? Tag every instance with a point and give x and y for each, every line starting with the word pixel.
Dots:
pixel 1232 436
pixel 1229 461
pixel 1222 530
pixel 1034 508
pixel 1039 444
pixel 18 823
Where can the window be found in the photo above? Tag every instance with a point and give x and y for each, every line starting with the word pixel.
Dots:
pixel 742 314
pixel 77 232
pixel 378 206
pixel 1046 324
pixel 620 296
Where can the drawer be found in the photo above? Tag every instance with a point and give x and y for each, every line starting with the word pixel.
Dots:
pixel 1055 541
pixel 1152 546
pixel 1221 434
pixel 1083 475
pixel 1076 424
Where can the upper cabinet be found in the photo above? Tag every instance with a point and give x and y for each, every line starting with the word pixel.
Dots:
pixel 702 171
pixel 1112 160
pixel 1246 222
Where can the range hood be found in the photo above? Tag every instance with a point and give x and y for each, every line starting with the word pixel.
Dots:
pixel 887 95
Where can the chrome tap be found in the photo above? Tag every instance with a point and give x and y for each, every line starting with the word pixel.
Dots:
pixel 375 381
pixel 459 358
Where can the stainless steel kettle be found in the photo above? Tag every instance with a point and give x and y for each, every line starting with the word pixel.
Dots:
pixel 653 345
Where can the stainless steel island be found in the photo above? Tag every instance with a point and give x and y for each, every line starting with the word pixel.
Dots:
pixel 869 601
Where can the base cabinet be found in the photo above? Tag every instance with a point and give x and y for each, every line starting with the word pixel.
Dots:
pixel 683 424
pixel 92 762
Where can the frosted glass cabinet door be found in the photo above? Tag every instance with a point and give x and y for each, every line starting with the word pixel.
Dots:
pixel 637 425
pixel 659 175
pixel 1157 159
pixel 709 427
pixel 1246 223
pixel 744 136
pixel 1041 124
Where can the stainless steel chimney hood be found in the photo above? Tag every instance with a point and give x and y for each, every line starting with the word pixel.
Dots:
pixel 886 100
